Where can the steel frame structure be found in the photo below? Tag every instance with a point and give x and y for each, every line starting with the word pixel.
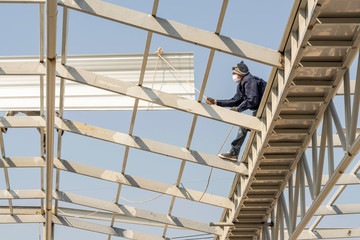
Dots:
pixel 268 196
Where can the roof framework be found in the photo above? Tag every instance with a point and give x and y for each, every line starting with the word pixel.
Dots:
pixel 278 174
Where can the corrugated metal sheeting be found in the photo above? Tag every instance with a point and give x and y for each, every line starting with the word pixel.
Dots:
pixel 23 92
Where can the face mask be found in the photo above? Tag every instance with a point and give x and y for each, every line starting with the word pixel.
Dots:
pixel 236 79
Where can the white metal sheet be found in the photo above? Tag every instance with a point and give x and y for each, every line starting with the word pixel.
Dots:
pixel 23 92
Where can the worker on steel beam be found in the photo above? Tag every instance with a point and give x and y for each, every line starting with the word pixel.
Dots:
pixel 249 92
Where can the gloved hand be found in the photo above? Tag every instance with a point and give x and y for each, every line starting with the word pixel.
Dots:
pixel 234 109
pixel 210 100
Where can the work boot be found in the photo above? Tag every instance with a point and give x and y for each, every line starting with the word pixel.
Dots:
pixel 229 156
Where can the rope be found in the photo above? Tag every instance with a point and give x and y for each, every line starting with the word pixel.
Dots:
pixel 159 51
pixel 208 182
pixel 162 58
pixel 79 216
pixel 39 232
pixel 141 201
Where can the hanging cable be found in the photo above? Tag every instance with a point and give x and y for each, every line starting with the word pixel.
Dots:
pixel 151 199
pixel 159 54
pixel 208 182
pixel 193 236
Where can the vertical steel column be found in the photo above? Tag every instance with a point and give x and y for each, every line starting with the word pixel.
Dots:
pixel 273 226
pixel 308 175
pixel 296 198
pixel 61 99
pixel 330 145
pixel 41 31
pixel 314 152
pixel 355 110
pixel 320 166
pixel 42 136
pixel 41 58
pixel 337 123
pixel 347 106
pixel 302 188
pixel 285 210
pixel 6 173
pixel 291 201
pixel 277 223
pixel 51 20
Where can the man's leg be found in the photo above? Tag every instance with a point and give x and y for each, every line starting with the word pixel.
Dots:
pixel 236 144
pixel 238 141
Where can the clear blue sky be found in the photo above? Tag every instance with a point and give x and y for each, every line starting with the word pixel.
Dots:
pixel 260 22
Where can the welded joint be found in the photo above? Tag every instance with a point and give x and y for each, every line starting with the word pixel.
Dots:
pixel 51 59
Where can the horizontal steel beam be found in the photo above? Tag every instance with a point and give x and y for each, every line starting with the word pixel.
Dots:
pixel 136 212
pixel 106 216
pixel 337 210
pixel 329 44
pixel 22 122
pixel 337 21
pixel 22 1
pixel 113 231
pixel 116 177
pixel 158 97
pixel 150 145
pixel 22 68
pixel 22 162
pixel 142 183
pixel 176 30
pixel 328 233
pixel 8 219
pixel 22 194
pixel 345 179
pixel 139 92
pixel 80 213
pixel 21 210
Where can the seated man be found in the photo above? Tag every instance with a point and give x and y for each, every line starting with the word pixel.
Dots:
pixel 249 91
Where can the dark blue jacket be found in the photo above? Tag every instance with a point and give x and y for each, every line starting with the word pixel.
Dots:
pixel 248 94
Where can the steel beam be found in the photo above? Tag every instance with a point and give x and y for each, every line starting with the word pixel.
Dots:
pixel 51 27
pixel 15 218
pixel 22 194
pixel 105 216
pixel 151 146
pixel 158 97
pixel 22 162
pixel 22 122
pixel 136 212
pixel 138 92
pixel 94 227
pixel 330 233
pixel 141 183
pixel 176 30
pixel 23 68
pixel 22 1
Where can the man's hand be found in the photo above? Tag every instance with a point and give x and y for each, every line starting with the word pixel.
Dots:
pixel 234 109
pixel 210 100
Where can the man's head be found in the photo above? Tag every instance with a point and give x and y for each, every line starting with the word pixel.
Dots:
pixel 239 71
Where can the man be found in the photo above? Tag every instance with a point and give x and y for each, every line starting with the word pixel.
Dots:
pixel 249 92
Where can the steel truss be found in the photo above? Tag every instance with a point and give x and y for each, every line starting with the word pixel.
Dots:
pixel 268 196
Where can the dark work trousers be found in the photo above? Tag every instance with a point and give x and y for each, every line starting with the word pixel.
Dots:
pixel 239 140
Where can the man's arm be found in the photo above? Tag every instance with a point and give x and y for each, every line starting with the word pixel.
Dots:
pixel 233 102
